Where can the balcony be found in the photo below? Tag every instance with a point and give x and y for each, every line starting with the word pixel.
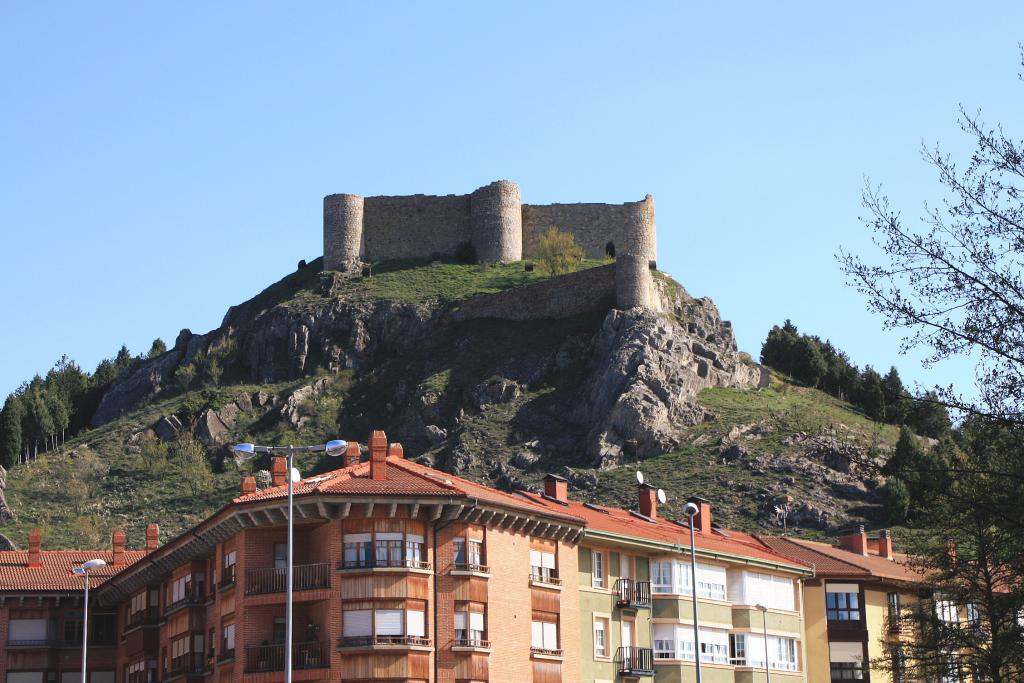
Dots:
pixel 545 652
pixel 192 598
pixel 275 580
pixel 226 655
pixel 635 661
pixel 31 643
pixel 264 658
pixel 382 563
pixel 376 641
pixel 471 568
pixel 545 577
pixel 144 617
pixel 190 664
pixel 633 594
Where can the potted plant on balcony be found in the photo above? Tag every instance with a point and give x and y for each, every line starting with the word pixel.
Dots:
pixel 312 654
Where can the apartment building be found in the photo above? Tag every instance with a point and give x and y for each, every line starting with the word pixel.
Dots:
pixel 636 596
pixel 41 612
pixel 854 603
pixel 402 573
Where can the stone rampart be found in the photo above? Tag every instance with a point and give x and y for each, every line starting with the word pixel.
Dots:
pixel 588 290
pixel 416 226
pixel 599 228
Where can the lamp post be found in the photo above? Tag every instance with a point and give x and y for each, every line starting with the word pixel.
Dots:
pixel 764 630
pixel 690 510
pixel 83 571
pixel 246 451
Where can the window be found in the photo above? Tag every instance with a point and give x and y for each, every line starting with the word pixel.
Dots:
pixel 358 550
pixel 229 559
pixel 675 576
pixel 73 627
pixel 846 660
pixel 280 556
pixel 711 581
pixel 738 649
pixel 661 576
pixel 228 640
pixel 899 663
pixel 383 626
pixel 893 600
pixel 227 576
pixel 389 549
pixel 600 637
pixel 597 568
pixel 544 637
pixel 179 589
pixel 469 554
pixel 138 603
pixel 469 627
pixel 953 672
pixel 29 630
pixel 842 602
pixel 754 588
pixel 357 624
pixel 675 641
pixel 542 566
pixel 103 628
pixel 946 610
pixel 973 616
pixel 714 646
pixel 414 551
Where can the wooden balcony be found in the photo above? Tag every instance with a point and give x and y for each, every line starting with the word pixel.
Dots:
pixel 264 658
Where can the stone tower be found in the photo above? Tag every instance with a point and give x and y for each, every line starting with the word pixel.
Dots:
pixel 496 222
pixel 343 230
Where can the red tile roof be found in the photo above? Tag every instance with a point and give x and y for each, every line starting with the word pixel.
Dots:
pixel 55 572
pixel 626 523
pixel 831 561
pixel 405 478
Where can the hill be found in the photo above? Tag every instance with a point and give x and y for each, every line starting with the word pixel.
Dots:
pixel 491 372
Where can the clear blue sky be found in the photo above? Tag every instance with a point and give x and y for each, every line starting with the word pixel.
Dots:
pixel 160 162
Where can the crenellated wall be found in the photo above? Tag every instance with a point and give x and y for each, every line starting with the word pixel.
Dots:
pixel 496 223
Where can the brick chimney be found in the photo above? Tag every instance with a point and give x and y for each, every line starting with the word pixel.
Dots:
pixel 556 487
pixel 153 532
pixel 950 550
pixel 351 456
pixel 648 501
pixel 378 455
pixel 885 544
pixel 395 450
pixel 35 542
pixel 701 520
pixel 279 470
pixel 855 541
pixel 117 541
pixel 248 485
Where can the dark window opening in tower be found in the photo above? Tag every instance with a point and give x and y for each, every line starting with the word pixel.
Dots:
pixel 609 250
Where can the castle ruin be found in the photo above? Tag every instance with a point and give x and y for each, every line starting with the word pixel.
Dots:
pixel 499 227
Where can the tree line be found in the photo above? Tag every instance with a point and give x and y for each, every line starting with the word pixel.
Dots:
pixel 41 413
pixel 816 363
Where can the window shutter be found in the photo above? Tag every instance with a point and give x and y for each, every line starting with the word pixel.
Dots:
pixel 27 629
pixel 389 536
pixel 842 588
pixel 548 560
pixel 415 623
pixel 101 677
pixel 535 560
pixel 229 636
pixel 537 635
pixel 550 636
pixel 357 623
pixel 389 622
pixel 845 652
pixel 357 538
pixel 476 621
pixel 460 621
pixel 25 677
pixel 414 538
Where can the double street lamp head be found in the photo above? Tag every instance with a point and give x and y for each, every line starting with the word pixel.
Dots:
pixel 248 451
pixel 88 566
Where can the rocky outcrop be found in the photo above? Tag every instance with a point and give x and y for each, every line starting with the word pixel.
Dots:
pixel 6 513
pixel 647 370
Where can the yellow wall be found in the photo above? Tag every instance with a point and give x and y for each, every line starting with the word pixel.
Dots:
pixel 816 633
pixel 875 609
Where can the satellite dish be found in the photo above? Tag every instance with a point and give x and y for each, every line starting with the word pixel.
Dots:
pixel 640 477
pixel 296 476
pixel 661 496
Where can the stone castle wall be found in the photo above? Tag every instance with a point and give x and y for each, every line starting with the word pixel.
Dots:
pixel 494 220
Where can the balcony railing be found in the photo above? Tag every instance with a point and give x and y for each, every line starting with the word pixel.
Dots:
pixel 309 655
pixel 382 563
pixel 471 642
pixel 275 580
pixel 368 641
pixel 149 615
pixel 633 593
pixel 226 654
pixel 227 576
pixel 183 665
pixel 549 652
pixel 635 661
pixel 140 676
pixel 550 578
pixel 471 567
pixel 193 596
pixel 37 642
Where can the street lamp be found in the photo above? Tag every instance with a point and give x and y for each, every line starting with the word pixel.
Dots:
pixel 764 629
pixel 247 451
pixel 83 571
pixel 690 510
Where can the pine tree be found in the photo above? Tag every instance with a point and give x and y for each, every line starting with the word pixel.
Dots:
pixel 871 398
pixel 158 348
pixel 10 430
pixel 928 416
pixel 897 401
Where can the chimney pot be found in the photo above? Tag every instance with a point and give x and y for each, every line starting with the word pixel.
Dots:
pixel 702 520
pixel 378 455
pixel 279 471
pixel 855 541
pixel 556 487
pixel 35 542
pixel 395 450
pixel 153 534
pixel 248 484
pixel 351 456
pixel 118 540
pixel 648 501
